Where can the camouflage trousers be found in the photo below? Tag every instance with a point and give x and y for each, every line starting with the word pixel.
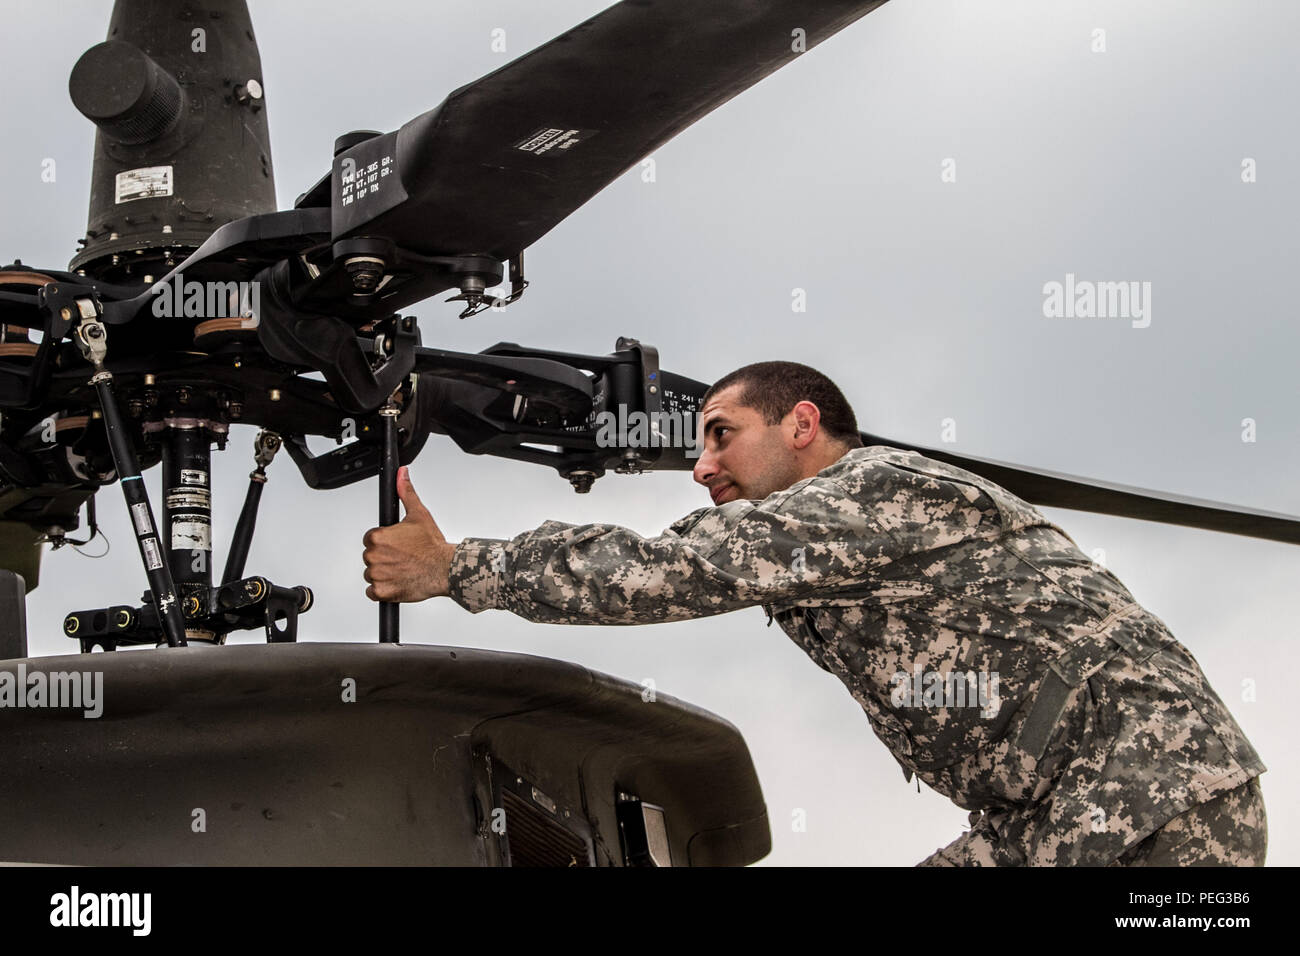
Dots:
pixel 1229 830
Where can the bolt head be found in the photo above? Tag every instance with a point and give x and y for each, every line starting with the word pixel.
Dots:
pixel 581 481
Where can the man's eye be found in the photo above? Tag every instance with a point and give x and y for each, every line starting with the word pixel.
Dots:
pixel 719 431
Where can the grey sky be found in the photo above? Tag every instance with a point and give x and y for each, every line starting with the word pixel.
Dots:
pixel 924 301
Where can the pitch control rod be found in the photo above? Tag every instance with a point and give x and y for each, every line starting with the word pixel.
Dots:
pixel 265 446
pixel 93 342
pixel 388 463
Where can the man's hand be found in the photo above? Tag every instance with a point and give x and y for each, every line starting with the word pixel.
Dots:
pixel 408 561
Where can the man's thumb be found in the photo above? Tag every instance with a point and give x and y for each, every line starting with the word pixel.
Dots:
pixel 406 492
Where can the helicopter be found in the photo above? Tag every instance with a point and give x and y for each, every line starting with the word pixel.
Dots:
pixel 1144 507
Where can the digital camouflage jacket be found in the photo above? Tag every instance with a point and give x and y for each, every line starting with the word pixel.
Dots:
pixel 995 660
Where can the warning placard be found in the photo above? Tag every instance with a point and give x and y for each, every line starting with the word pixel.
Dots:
pixel 553 141
pixel 144 183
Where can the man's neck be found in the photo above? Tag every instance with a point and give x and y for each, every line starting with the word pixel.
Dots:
pixel 827 456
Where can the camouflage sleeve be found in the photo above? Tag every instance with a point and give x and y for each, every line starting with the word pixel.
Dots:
pixel 811 537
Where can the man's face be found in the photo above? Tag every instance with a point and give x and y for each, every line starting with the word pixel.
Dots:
pixel 742 456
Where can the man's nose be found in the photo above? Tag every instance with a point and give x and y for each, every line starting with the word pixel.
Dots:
pixel 705 469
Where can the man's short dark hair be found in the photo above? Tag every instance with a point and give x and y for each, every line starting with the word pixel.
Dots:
pixel 774 388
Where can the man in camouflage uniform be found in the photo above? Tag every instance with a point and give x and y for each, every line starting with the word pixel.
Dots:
pixel 995 660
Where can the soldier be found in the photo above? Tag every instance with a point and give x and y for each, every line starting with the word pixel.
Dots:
pixel 994 659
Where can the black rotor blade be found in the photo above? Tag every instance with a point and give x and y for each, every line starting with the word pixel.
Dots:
pixel 1055 490
pixel 504 159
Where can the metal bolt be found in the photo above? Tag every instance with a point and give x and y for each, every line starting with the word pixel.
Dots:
pixel 631 463
pixel 251 90
pixel 366 273
pixel 149 379
pixel 275 394
pixel 582 480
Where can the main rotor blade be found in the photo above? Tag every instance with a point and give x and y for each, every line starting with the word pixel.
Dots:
pixel 506 158
pixel 1056 490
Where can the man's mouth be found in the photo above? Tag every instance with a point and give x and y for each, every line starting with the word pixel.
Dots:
pixel 718 492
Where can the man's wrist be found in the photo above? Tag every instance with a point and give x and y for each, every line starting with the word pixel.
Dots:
pixel 443 555
pixel 475 572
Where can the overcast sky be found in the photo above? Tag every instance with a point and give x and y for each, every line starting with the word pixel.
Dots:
pixel 924 301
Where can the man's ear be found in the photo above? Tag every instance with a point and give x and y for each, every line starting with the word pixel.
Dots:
pixel 806 424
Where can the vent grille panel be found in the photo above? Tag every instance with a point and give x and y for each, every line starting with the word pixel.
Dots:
pixel 535 839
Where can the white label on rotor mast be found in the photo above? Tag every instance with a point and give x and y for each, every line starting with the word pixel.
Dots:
pixel 189 499
pixel 144 183
pixel 188 508
pixel 192 533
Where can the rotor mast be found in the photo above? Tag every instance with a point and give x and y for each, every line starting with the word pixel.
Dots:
pixel 182 145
